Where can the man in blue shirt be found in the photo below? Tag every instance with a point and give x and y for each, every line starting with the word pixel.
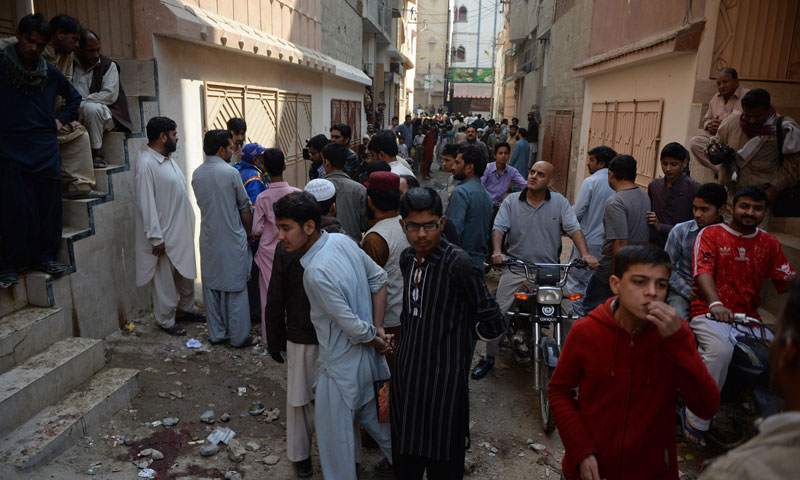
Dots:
pixel 406 128
pixel 470 206
pixel 589 208
pixel 30 162
pixel 347 294
pixel 251 168
pixel 708 206
pixel 521 153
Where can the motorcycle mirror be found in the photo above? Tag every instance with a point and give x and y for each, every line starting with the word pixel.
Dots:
pixel 574 296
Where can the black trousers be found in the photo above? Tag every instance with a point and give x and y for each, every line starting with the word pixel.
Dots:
pixel 253 289
pixel 411 467
pixel 30 217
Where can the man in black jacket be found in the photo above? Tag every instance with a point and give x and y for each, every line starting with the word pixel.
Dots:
pixel 289 329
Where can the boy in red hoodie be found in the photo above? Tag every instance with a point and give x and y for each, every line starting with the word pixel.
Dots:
pixel 628 359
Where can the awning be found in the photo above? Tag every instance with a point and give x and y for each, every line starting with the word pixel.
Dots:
pixel 198 25
pixel 472 90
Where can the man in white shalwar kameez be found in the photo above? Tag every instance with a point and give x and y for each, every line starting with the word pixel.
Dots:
pixel 225 228
pixel 346 291
pixel 164 228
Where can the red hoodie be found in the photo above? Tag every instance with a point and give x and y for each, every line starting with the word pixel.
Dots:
pixel 628 384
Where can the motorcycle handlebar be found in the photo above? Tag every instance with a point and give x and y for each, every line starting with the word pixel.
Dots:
pixel 578 263
pixel 740 319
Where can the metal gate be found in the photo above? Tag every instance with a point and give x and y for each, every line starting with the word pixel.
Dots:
pixel 349 113
pixel 275 118
pixel 630 127
pixel 556 145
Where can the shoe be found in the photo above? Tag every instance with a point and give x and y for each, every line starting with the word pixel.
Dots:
pixel 85 194
pixel 8 279
pixel 303 468
pixel 51 266
pixel 482 368
pixel 384 468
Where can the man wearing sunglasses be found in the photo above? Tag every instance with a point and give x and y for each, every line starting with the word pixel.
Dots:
pixel 445 305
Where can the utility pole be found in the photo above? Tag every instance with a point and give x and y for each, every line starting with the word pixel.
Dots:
pixel 446 92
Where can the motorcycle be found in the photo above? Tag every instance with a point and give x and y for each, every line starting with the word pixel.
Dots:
pixel 745 395
pixel 537 320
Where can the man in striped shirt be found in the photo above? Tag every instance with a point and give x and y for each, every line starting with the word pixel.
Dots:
pixel 445 304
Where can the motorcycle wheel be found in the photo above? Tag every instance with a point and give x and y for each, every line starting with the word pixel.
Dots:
pixel 545 414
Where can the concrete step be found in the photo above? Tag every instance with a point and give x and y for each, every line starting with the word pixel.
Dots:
pixel 80 413
pixel 29 331
pixel 13 298
pixel 114 149
pixel 45 378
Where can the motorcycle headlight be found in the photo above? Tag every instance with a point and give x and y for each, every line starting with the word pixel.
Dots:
pixel 548 296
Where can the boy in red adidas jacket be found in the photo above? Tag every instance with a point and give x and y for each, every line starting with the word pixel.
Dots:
pixel 628 359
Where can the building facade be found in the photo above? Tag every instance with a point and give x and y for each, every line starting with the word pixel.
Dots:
pixel 472 55
pixel 433 27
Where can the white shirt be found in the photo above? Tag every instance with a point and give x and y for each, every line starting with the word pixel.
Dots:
pixel 82 81
pixel 163 215
pixel 400 169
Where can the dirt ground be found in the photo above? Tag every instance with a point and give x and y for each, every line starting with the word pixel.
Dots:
pixel 181 382
pixel 185 382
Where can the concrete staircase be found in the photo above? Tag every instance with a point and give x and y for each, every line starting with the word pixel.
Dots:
pixel 54 387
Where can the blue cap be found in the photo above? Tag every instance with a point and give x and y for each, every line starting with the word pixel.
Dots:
pixel 251 151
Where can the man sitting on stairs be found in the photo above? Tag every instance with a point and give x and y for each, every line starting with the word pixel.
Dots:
pixel 104 106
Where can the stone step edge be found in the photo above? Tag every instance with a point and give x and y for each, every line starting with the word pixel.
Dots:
pixel 36 373
pixel 81 412
pixel 28 332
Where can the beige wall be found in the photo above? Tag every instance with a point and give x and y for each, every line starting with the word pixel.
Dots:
pixel 670 78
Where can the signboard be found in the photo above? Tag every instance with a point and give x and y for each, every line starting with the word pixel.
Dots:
pixel 472 75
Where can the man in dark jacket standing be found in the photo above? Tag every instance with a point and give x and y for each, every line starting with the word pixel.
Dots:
pixel 30 162
pixel 629 358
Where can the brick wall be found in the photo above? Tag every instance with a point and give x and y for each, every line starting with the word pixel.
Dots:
pixel 341 32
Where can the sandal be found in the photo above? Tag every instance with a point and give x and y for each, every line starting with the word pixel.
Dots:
pixel 99 163
pixel 694 437
pixel 175 331
pixel 7 280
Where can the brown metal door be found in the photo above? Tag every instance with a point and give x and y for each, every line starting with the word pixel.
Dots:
pixel 556 145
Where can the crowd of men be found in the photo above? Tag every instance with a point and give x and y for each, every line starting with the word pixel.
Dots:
pixel 61 95
pixel 371 288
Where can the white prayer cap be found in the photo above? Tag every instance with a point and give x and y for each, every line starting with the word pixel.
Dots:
pixel 321 189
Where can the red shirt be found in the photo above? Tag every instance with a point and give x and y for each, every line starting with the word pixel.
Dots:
pixel 739 264
pixel 628 386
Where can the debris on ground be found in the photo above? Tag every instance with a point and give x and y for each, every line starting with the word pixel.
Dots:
pixel 236 451
pixel 272 414
pixel 152 453
pixel 221 434
pixel 170 421
pixel 208 417
pixel 252 446
pixel 147 473
pixel 209 450
pixel 226 417
pixel 271 459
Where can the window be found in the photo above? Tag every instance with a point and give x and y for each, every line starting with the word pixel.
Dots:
pixel 461 14
pixel 460 54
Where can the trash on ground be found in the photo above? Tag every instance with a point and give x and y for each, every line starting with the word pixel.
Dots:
pixel 194 343
pixel 221 434
pixel 147 473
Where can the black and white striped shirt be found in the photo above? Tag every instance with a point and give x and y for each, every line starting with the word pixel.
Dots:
pixel 445 301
